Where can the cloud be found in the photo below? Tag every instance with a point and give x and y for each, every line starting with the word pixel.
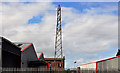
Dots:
pixel 59 1
pixel 90 30
pixel 21 12
pixel 15 17
pixel 84 34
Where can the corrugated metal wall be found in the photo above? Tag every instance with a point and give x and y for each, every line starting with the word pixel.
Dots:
pixel 0 54
pixel 108 66
pixel 105 66
pixel 89 68
pixel 28 54
pixel 119 63
pixel 11 54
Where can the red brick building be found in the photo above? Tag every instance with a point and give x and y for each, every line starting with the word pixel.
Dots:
pixel 55 63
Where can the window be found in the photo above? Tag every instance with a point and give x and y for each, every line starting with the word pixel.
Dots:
pixel 59 64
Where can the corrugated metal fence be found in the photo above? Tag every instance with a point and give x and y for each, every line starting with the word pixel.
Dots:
pixel 36 70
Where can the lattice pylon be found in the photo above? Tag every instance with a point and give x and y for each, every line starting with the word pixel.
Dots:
pixel 58 40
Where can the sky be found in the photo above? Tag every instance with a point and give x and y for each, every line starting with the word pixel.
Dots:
pixel 89 29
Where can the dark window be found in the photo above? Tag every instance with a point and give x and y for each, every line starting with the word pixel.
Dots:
pixel 59 64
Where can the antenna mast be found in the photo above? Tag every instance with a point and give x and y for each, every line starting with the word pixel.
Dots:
pixel 58 40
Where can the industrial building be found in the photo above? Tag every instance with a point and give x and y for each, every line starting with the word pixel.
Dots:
pixel 29 57
pixel 110 65
pixel 23 55
pixel 55 63
pixel 10 54
pixel 19 55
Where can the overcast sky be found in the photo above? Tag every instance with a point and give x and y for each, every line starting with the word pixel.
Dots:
pixel 90 29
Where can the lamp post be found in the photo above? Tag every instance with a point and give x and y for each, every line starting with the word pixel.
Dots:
pixel 74 63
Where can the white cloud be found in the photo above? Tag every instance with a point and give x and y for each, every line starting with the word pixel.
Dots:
pixel 83 34
pixel 89 33
pixel 59 1
pixel 15 17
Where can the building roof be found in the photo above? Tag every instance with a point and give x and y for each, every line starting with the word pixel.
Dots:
pixel 54 59
pixel 10 47
pixel 9 42
pixel 25 46
pixel 22 45
pixel 41 56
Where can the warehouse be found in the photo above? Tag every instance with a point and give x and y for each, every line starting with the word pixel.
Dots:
pixel 10 54
pixel 19 55
pixel 29 57
pixel 110 65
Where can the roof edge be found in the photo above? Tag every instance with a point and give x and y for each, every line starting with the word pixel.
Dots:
pixel 9 41
pixel 40 55
pixel 26 47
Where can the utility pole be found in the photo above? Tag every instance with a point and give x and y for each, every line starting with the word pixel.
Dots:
pixel 58 40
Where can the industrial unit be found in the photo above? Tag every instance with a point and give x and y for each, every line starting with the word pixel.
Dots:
pixel 19 55
pixel 110 65
pixel 23 55
pixel 10 54
pixel 29 57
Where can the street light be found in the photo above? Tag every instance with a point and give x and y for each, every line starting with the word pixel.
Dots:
pixel 74 63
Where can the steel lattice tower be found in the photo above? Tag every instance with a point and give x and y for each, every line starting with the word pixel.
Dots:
pixel 58 40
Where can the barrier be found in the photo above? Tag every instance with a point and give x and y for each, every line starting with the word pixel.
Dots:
pixel 36 70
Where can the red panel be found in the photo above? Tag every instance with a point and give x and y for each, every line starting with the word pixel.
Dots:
pixel 96 66
pixel 48 65
pixel 26 47
pixel 87 63
pixel 40 55
pixel 108 58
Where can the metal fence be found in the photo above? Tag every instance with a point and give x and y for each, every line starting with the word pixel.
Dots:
pixel 36 70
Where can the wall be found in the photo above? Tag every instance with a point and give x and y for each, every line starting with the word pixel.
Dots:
pixel 11 54
pixel 10 60
pixel 108 66
pixel 28 54
pixel 55 65
pixel 88 68
pixel 119 63
pixel 0 54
